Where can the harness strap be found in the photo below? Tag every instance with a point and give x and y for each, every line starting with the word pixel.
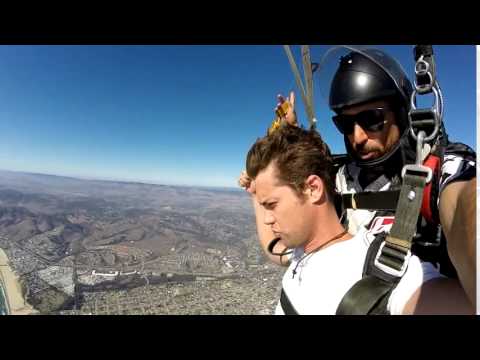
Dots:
pixel 286 305
pixel 388 200
pixel 425 72
pixel 388 256
pixel 432 162
pixel 372 200
pixel 425 50
pixel 365 297
pixel 398 243
pixel 369 295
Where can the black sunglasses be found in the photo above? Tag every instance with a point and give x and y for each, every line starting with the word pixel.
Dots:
pixel 369 120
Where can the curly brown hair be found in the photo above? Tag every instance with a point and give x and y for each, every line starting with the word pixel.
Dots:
pixel 297 153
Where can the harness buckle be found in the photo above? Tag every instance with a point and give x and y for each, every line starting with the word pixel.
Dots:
pixel 418 169
pixel 388 269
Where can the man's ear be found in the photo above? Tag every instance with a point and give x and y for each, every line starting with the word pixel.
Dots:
pixel 314 189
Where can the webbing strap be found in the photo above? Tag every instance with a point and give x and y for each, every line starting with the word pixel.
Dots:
pixel 286 305
pixel 432 162
pixel 385 267
pixel 365 296
pixel 399 242
pixel 387 200
pixel 408 208
pixel 425 73
pixel 419 50
pixel 374 200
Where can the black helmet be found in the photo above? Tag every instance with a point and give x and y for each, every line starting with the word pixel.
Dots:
pixel 367 74
pixel 360 79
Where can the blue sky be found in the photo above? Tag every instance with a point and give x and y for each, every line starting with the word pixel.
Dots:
pixel 180 115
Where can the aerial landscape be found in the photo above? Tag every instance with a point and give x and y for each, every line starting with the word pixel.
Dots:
pixel 103 247
pixel 120 165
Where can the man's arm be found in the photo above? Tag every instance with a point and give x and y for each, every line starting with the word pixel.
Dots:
pixel 424 291
pixel 458 218
pixel 439 296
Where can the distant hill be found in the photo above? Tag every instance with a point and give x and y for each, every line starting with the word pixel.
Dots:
pixel 48 222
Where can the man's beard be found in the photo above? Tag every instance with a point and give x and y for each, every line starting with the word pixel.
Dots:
pixel 391 168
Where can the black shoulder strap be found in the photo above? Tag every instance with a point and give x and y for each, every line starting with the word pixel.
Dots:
pixel 286 305
pixel 366 297
pixel 378 200
pixel 369 295
pixel 388 256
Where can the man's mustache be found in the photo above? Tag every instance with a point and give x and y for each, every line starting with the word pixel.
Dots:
pixel 364 149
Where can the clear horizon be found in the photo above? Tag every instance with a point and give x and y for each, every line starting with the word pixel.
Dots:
pixel 139 181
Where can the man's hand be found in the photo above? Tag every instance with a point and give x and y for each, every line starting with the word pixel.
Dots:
pixel 245 182
pixel 290 117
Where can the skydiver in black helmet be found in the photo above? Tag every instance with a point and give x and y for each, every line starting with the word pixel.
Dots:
pixel 371 97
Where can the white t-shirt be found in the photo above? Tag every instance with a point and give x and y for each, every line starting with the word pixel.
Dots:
pixel 323 278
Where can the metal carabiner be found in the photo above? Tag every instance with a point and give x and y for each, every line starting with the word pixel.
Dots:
pixel 422 69
pixel 435 110
pixel 420 144
pixel 418 166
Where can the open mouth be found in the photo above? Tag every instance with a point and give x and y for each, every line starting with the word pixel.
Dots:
pixel 367 155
